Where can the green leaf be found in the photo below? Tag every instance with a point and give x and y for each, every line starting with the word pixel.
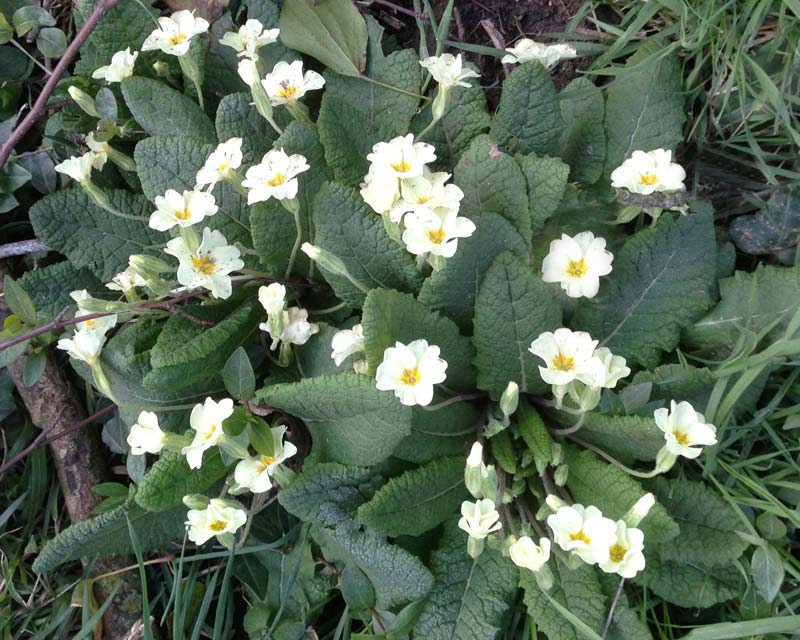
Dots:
pixel 314 357
pixel 577 590
pixel 627 437
pixel 169 162
pixel 708 525
pixel 349 419
pixel 170 478
pixel 238 376
pixel 470 596
pixel 397 576
pixel 355 113
pixel 583 141
pixel 69 222
pixel 750 301
pixel 528 118
pixel 503 451
pixel 512 308
pixel 237 117
pixel 444 432
pixel 51 42
pixel 18 301
pixel 161 110
pixel 663 280
pixel 417 500
pixel 533 431
pixel 391 317
pixel 107 534
pixel 29 17
pixel 614 492
pixel 774 228
pixel 349 229
pixel 768 572
pixel 688 585
pixel 644 106
pixel 357 590
pixel 547 179
pixel 6 30
pixel 34 366
pixel 453 289
pixel 186 353
pixel 329 494
pixel 332 31
pixel 492 182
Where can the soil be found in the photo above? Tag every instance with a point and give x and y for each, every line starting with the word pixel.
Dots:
pixel 490 23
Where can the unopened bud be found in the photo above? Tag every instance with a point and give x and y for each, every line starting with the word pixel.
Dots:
pixel 557 453
pixel 161 69
pixel 439 103
pixel 554 502
pixel 149 267
pixel 475 458
pixel 195 501
pixel 665 460
pixel 325 259
pixel 83 100
pixel 639 510
pixel 475 472
pixel 509 401
pixel 561 475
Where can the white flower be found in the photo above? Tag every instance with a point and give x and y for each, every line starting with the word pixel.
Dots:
pixel 347 342
pixel 248 72
pixel 216 519
pixel 183 210
pixel 296 327
pixel 604 369
pixel 145 435
pixel 429 192
pixel 286 83
pixel 448 70
pixel 209 266
pixel 250 38
pixel 548 54
pixel 79 168
pixel 527 554
pixel 475 457
pixel 222 162
pixel 380 190
pixel 646 173
pixel 121 67
pixel 625 556
pixel 99 148
pixel 429 232
pixel 84 346
pixel 411 371
pixel 126 281
pixel 401 157
pixel 577 263
pixel 100 326
pixel 174 34
pixel 274 177
pixel 272 297
pixel 685 430
pixel 566 354
pixel 206 419
pixel 255 473
pixel 479 518
pixel 585 531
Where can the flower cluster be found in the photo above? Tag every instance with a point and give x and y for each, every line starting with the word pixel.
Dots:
pixel 417 205
pixel 285 326
pixel 549 55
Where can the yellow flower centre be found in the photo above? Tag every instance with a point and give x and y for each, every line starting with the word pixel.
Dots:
pixel 177 39
pixel 401 167
pixel 184 214
pixel 648 178
pixel 217 525
pixel 210 433
pixel 563 363
pixel 287 91
pixel 277 180
pixel 90 323
pixel 223 167
pixel 577 268
pixel 410 377
pixel 423 199
pixel 205 265
pixel 265 462
pixel 681 437
pixel 436 237
pixel 580 537
pixel 617 553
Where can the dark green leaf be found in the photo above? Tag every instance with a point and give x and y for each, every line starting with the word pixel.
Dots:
pixel 19 301
pixel 238 376
pixel 170 478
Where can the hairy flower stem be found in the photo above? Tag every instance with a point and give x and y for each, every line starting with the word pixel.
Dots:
pixel 614 461
pixel 570 430
pixel 192 71
pixel 449 401
pixel 293 207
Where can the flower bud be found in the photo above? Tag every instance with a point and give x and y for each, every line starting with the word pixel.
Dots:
pixel 509 401
pixel 489 486
pixel 195 501
pixel 474 546
pixel 149 267
pixel 475 472
pixel 638 511
pixel 161 69
pixel 561 475
pixel 665 460
pixel 83 100
pixel 558 453
pixel 554 502
pixel 101 380
pixel 325 259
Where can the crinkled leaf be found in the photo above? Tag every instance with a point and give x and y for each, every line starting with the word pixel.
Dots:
pixel 69 222
pixel 546 178
pixel 453 289
pixel 469 596
pixel 583 141
pixel 390 316
pixel 18 300
pixel 512 308
pixel 417 500
pixel 329 494
pixel 170 478
pixel 237 117
pixel 528 118
pixel 397 576
pixel 314 357
pixel 663 280
pixel 629 437
pixel 350 420
pixel 348 228
pixel 775 228
pixel 444 432
pixel 691 585
pixel 162 110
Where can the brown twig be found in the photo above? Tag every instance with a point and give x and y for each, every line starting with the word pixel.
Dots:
pixel 38 108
